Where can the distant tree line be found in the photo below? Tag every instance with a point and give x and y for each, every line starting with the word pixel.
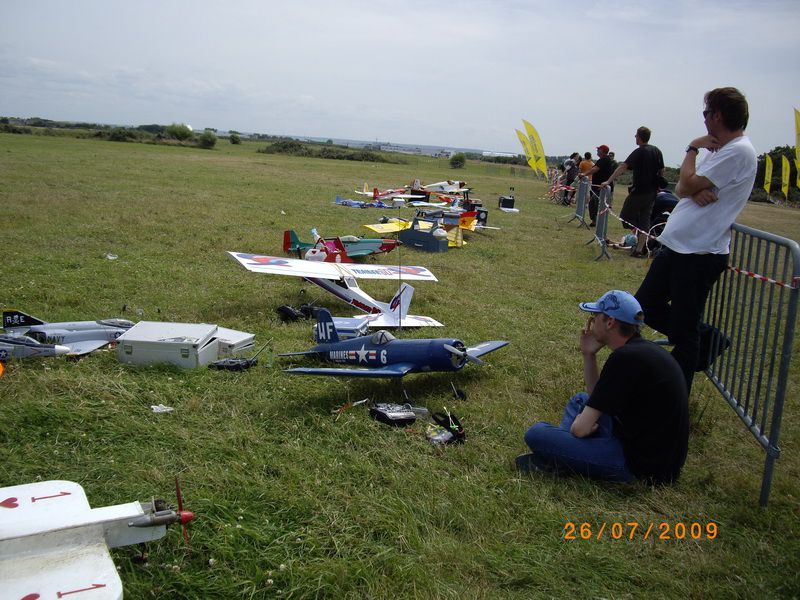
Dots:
pixel 153 134
pixel 326 150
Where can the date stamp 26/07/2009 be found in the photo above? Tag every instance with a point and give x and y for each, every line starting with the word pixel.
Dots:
pixel 633 530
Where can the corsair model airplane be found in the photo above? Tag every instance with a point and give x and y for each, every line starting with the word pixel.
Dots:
pixel 53 545
pixel 338 249
pixel 340 280
pixel 383 355
pixel 81 337
pixel 22 346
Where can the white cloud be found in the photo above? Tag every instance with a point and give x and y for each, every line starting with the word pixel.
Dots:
pixel 416 72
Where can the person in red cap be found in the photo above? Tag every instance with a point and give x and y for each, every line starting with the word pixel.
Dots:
pixel 599 173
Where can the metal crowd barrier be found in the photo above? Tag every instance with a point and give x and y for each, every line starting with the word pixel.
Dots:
pixel 752 310
pixel 601 224
pixel 582 199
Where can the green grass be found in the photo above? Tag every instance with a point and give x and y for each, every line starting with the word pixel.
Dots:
pixel 293 502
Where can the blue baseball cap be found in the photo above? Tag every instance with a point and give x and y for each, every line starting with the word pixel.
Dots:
pixel 618 304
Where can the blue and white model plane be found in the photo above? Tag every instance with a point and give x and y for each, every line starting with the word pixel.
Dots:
pixel 383 355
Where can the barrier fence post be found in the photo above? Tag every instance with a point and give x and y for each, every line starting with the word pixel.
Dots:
pixel 580 205
pixel 601 225
pixel 747 346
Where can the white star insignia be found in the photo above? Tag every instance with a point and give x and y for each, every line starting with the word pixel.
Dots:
pixel 362 354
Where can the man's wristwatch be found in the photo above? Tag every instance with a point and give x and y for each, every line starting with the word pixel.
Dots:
pixel 689 148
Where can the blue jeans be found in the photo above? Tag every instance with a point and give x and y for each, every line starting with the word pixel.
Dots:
pixel 673 296
pixel 598 456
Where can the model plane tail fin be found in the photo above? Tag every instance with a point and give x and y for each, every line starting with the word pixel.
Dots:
pixel 398 306
pixel 375 194
pixel 324 329
pixel 291 243
pixel 17 318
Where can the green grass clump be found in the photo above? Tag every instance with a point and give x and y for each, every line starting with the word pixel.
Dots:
pixel 295 502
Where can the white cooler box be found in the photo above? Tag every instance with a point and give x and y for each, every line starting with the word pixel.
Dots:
pixel 186 345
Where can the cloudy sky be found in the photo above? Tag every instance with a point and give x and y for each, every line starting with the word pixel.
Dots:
pixel 459 74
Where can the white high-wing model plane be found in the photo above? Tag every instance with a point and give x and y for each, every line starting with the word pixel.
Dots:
pixel 340 280
pixel 390 194
pixel 53 545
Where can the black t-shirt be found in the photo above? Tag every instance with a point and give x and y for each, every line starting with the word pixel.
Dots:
pixel 605 168
pixel 645 162
pixel 643 389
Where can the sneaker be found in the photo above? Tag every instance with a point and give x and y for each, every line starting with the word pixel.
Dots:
pixel 636 254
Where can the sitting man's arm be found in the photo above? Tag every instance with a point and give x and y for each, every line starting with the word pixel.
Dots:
pixel 585 424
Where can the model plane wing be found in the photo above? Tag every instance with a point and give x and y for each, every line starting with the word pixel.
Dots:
pixel 65 571
pixel 286 266
pixel 392 227
pixel 406 273
pixel 322 270
pixel 63 567
pixel 85 346
pixel 485 348
pixel 393 370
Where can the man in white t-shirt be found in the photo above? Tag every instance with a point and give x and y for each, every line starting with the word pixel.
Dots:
pixel 695 241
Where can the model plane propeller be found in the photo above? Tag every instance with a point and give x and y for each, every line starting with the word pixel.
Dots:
pixel 80 337
pixel 340 280
pixel 53 545
pixel 383 355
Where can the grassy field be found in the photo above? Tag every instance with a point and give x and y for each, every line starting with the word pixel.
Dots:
pixel 293 502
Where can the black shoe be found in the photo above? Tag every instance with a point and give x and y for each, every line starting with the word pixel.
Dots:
pixel 712 344
pixel 592 224
pixel 526 464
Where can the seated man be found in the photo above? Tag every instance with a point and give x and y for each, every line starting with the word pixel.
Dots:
pixel 632 422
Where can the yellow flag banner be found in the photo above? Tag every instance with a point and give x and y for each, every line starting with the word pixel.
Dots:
pixel 527 147
pixel 767 172
pixel 785 176
pixel 536 146
pixel 797 138
pixel 541 161
pixel 797 170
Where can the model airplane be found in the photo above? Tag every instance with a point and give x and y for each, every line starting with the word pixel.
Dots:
pixel 22 346
pixel 80 337
pixel 383 355
pixel 390 194
pixel 440 187
pixel 428 221
pixel 338 249
pixel 53 545
pixel 361 203
pixel 340 280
